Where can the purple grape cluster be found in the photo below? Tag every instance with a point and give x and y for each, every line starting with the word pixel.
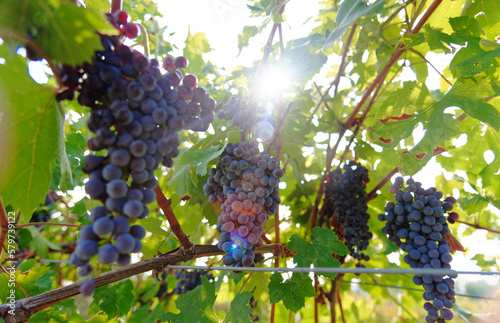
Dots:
pixel 238 112
pixel 136 117
pixel 345 194
pixel 245 183
pixel 417 223
pixel 189 280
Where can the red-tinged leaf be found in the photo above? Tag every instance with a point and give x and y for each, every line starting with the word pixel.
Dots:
pixel 186 197
pixel 453 243
pixel 405 152
pixel 385 141
pixel 438 150
pixel 420 156
pixel 404 116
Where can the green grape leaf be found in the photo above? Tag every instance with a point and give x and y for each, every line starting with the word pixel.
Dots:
pixel 113 299
pixel 474 205
pixel 349 11
pixel 467 94
pixel 182 182
pixel 239 311
pixel 64 31
pixel 413 97
pixel 292 292
pixel 195 305
pixel 196 46
pixel 153 225
pixel 433 39
pixel 244 37
pixel 305 60
pixel 100 6
pixel 478 63
pixel 319 251
pixel 487 13
pixel 414 40
pixel 39 244
pixel 199 158
pixel 30 125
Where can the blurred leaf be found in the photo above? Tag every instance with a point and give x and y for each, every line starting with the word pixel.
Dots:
pixel 39 244
pixel 64 31
pixel 30 127
pixel 199 158
pixel 113 299
pixel 100 6
pixel 196 46
pixel 349 11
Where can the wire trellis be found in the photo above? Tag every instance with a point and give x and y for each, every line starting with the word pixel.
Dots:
pixel 397 271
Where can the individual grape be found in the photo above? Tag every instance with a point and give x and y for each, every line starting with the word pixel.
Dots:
pixel 108 254
pixel 133 208
pixel 87 233
pixel 85 270
pixel 123 260
pixel 125 243
pixel 120 157
pixel 110 172
pixel 87 287
pixel 98 212
pixel 116 188
pixel 137 231
pixel 103 226
pixel 86 249
pixel 121 225
pixel 94 188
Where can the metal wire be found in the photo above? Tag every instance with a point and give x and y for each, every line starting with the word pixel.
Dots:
pixel 413 289
pixel 418 271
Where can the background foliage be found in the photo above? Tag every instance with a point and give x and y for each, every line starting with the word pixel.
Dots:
pixel 405 124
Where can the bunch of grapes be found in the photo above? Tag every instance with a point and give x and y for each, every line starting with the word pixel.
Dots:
pixel 237 111
pixel 136 115
pixel 345 194
pixel 417 223
pixel 44 213
pixel 245 183
pixel 189 280
pixel 245 116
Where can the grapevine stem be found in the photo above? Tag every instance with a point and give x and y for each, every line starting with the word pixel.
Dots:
pixel 340 73
pixel 477 226
pixel 4 223
pixel 373 192
pixel 116 5
pixel 144 39
pixel 340 304
pixel 164 204
pixel 343 63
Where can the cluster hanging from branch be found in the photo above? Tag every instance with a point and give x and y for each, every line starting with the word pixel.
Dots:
pixel 245 183
pixel 417 223
pixel 345 199
pixel 136 117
